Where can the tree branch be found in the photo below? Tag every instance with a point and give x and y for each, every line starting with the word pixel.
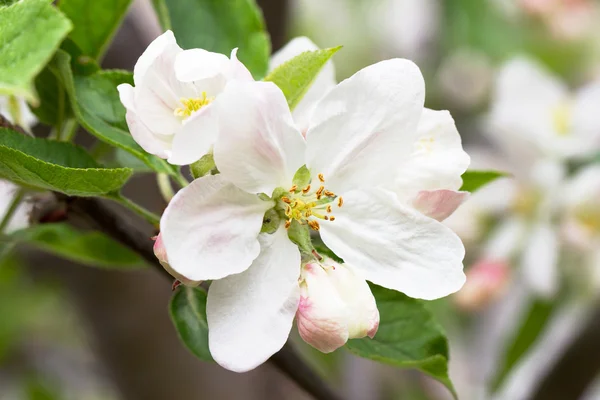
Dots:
pixel 102 216
pixel 578 366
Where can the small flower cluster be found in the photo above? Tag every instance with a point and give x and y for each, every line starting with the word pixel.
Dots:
pixel 362 163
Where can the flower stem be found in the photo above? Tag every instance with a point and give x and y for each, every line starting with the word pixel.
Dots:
pixel 69 130
pixel 182 180
pixel 12 208
pixel 136 208
pixel 164 185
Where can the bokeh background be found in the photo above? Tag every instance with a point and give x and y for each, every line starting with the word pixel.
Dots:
pixel 90 334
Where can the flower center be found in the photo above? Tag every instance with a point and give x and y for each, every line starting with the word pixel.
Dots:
pixel 309 204
pixel 561 117
pixel 192 105
pixel 589 218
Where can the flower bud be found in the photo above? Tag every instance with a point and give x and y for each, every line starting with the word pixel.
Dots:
pixel 161 253
pixel 336 304
pixel 486 281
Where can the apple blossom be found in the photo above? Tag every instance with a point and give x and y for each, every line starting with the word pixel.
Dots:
pixel 170 110
pixel 324 82
pixel 20 217
pixel 486 282
pixel 358 133
pixel 17 111
pixel 533 114
pixel 336 304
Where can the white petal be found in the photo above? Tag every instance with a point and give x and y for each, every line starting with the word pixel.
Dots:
pixel 196 137
pixel 210 229
pixel 197 64
pixel 322 316
pixel 155 49
pixel 126 95
pixel 250 315
pixel 506 238
pixel 259 148
pixel 364 125
pixel 525 98
pixel 540 259
pixel 323 83
pixel 353 289
pixel 395 246
pixel 237 70
pixel 586 119
pixel 159 145
pixel 20 218
pixel 161 253
pixel 438 159
pixel 439 204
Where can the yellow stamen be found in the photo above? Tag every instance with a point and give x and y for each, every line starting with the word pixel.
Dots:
pixel 314 225
pixel 329 193
pixel 192 105
pixel 328 208
pixel 321 178
pixel 332 218
pixel 340 201
pixel 293 188
pixel 288 223
pixel 306 189
pixel 286 200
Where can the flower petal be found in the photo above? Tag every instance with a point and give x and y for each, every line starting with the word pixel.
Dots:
pixel 438 159
pixel 250 315
pixel 197 64
pixel 540 258
pixel 210 229
pixel 196 137
pixel 586 119
pixel 364 125
pixel 395 246
pixel 154 50
pixel 161 254
pixel 260 148
pixel 322 316
pixel 323 83
pixel 237 70
pixel 439 204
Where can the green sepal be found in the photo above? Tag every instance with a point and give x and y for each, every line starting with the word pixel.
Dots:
pixel 302 177
pixel 203 166
pixel 300 235
pixel 271 221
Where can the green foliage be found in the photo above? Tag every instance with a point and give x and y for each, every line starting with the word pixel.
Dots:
pixel 532 325
pixel 95 102
pixel 188 313
pixel 58 166
pixel 219 26
pixel 203 166
pixel 31 31
pixel 94 23
pixel 408 337
pixel 91 248
pixel 473 180
pixel 294 77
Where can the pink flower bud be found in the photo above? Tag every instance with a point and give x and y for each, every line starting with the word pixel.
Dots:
pixel 161 253
pixel 486 281
pixel 336 304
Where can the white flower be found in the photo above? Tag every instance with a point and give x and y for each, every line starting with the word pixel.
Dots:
pixel 170 111
pixel 487 281
pixel 336 304
pixel 533 114
pixel 17 111
pixel 20 217
pixel 324 82
pixel 359 132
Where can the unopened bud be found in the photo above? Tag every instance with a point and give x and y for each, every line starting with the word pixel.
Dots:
pixel 486 281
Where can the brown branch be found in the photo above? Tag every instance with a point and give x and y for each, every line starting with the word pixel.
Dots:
pixel 578 366
pixel 102 216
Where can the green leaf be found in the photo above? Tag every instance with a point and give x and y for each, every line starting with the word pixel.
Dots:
pixel 408 337
pixel 295 76
pixel 59 166
pixel 188 313
pixel 473 180
pixel 95 102
pixel 90 248
pixel 94 22
pixel 220 26
pixel 31 30
pixel 532 325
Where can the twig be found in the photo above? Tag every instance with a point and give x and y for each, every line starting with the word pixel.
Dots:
pixel 106 219
pixel 578 366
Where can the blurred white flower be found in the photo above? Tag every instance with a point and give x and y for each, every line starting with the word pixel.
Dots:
pixel 566 19
pixel 20 217
pixel 170 111
pixel 336 304
pixel 323 83
pixel 486 282
pixel 534 115
pixel 358 132
pixel 17 111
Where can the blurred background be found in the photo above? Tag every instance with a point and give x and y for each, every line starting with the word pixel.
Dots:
pixel 520 78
